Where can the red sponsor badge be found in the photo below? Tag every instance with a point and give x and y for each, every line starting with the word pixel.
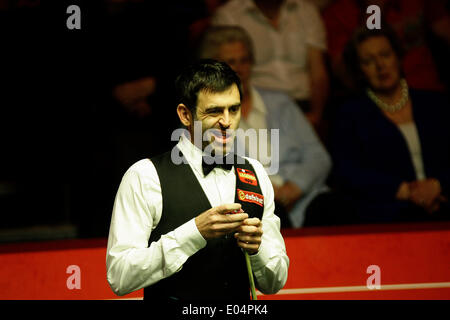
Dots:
pixel 247 176
pixel 253 197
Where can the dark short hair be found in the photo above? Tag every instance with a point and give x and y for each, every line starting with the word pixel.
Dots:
pixel 351 58
pixel 204 75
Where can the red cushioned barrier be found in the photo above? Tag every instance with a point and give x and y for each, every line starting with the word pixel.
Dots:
pixel 39 271
pixel 415 257
pixel 325 263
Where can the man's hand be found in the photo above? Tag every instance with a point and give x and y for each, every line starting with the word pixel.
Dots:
pixel 216 221
pixel 249 235
pixel 403 191
pixel 288 194
pixel 425 193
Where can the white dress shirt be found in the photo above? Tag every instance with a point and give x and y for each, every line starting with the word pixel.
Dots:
pixel 132 264
pixel 281 54
pixel 409 131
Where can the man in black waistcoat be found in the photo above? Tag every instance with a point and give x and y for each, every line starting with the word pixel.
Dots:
pixel 174 230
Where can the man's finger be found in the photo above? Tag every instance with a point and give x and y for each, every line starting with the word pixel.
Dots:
pixel 252 222
pixel 250 245
pixel 253 247
pixel 226 227
pixel 252 230
pixel 247 238
pixel 226 208
pixel 229 218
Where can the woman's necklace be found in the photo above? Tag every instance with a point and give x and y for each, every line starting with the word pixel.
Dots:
pixel 394 107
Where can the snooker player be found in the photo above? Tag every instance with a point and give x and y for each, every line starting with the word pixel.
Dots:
pixel 171 232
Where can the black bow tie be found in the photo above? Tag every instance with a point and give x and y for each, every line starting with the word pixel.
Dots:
pixel 209 163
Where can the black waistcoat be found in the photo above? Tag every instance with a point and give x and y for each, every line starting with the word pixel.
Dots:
pixel 218 271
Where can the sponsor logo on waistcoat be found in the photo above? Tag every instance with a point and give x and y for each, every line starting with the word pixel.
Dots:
pixel 247 176
pixel 253 197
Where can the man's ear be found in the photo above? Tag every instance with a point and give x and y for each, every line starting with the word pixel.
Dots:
pixel 185 115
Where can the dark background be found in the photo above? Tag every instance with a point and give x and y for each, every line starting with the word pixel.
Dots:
pixel 64 142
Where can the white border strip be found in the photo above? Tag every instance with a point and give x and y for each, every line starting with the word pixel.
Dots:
pixel 137 298
pixel 406 286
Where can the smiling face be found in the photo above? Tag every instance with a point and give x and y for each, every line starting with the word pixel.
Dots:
pixel 379 63
pixel 219 113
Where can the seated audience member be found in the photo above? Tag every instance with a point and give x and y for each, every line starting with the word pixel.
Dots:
pixel 133 95
pixel 391 145
pixel 289 41
pixel 303 162
pixel 410 19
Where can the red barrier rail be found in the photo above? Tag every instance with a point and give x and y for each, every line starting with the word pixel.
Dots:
pixel 325 263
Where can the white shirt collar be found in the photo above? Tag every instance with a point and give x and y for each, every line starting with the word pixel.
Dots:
pixel 192 154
